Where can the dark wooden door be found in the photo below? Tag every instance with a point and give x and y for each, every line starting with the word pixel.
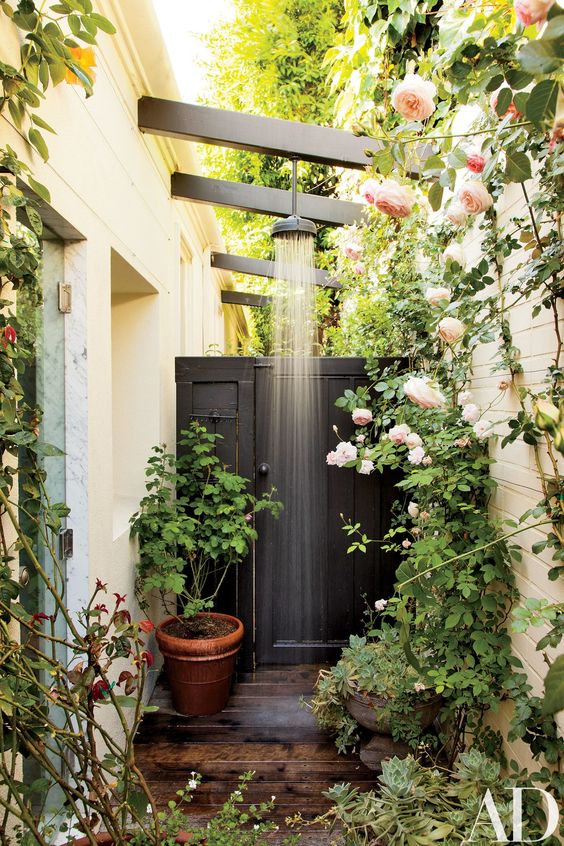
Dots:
pixel 299 602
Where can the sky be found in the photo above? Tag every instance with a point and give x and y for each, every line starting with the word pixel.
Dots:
pixel 182 23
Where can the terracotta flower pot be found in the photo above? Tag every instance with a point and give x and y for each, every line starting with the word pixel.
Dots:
pixel 107 839
pixel 369 711
pixel 200 671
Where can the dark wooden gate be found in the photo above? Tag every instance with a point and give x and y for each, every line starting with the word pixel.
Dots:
pixel 230 396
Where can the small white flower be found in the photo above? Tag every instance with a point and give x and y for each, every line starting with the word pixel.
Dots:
pixel 427 461
pixel 406 544
pixel 482 429
pixel 416 456
pixel 464 397
pixel 366 467
pixel 273 798
pixel 454 252
pixel 419 687
pixel 470 413
pixel 380 604
pixel 192 784
pixel 413 510
pixel 149 809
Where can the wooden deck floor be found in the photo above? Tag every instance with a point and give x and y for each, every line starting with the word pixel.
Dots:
pixel 262 729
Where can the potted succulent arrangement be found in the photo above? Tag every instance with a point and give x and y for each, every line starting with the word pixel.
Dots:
pixel 195 523
pixel 373 686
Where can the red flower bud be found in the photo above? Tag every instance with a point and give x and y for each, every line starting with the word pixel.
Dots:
pixel 100 585
pixel 10 336
pixel 475 162
pixel 39 617
pixel 119 599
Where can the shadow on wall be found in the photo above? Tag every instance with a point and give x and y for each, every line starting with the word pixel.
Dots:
pixel 135 386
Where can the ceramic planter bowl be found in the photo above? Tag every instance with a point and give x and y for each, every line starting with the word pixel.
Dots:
pixel 200 671
pixel 369 711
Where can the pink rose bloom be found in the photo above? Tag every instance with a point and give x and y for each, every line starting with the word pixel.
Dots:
pixel 413 440
pixel 380 604
pixel 406 544
pixel 464 397
pixel 470 413
pixel 360 439
pixel 353 250
pixel 423 393
pixel 425 515
pixel 413 97
pixel 532 11
pixel 332 459
pixel 504 384
pixel 482 429
pixel 454 252
pixel 394 199
pixel 345 452
pixel 362 416
pixel 451 329
pixel 456 214
pixel 359 268
pixel 398 434
pixel 368 191
pixel 475 162
pixel 427 461
pixel 475 197
pixel 462 443
pixel 366 467
pixel 435 296
pixel 416 456
pixel 418 687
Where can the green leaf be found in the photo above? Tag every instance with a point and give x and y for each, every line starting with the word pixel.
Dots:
pixel 433 165
pixel 42 123
pixel 554 688
pixel 541 105
pixel 518 79
pixel 504 100
pixel 518 167
pixel 541 56
pixel 35 220
pixel 39 189
pixel 435 196
pixel 36 139
pixel 103 23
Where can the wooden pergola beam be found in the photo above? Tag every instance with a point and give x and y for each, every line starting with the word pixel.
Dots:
pixel 244 299
pixel 261 267
pixel 261 200
pixel 269 136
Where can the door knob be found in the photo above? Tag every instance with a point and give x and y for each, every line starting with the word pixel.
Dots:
pixel 263 469
pixel 25 576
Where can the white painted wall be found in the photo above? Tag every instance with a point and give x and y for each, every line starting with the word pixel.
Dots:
pixel 143 288
pixel 515 469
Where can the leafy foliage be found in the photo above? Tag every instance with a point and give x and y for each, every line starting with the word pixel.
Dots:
pixel 195 523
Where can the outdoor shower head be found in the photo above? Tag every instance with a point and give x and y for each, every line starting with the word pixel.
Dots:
pixel 289 226
pixel 293 225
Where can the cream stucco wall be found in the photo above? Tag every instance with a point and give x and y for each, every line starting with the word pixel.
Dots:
pixel 515 469
pixel 143 288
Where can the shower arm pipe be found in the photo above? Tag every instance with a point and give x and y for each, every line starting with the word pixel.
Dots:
pixel 295 186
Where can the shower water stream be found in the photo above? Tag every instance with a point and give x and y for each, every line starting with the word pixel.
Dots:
pixel 295 441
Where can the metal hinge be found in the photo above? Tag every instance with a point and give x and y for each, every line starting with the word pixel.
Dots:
pixel 65 297
pixel 66 543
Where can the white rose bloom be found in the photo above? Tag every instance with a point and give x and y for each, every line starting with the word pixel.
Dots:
pixel 451 329
pixel 435 296
pixel 423 393
pixel 454 252
pixel 456 214
pixel 416 456
pixel 366 467
pixel 470 413
pixel 399 433
pixel 482 429
pixel 345 452
pixel 464 397
pixel 413 440
pixel 413 510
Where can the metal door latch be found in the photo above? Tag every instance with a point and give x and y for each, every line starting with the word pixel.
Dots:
pixel 65 298
pixel 66 543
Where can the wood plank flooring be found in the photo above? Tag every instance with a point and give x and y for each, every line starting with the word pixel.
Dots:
pixel 263 729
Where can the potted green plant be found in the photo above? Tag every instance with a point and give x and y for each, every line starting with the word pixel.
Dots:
pixel 374 686
pixel 195 523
